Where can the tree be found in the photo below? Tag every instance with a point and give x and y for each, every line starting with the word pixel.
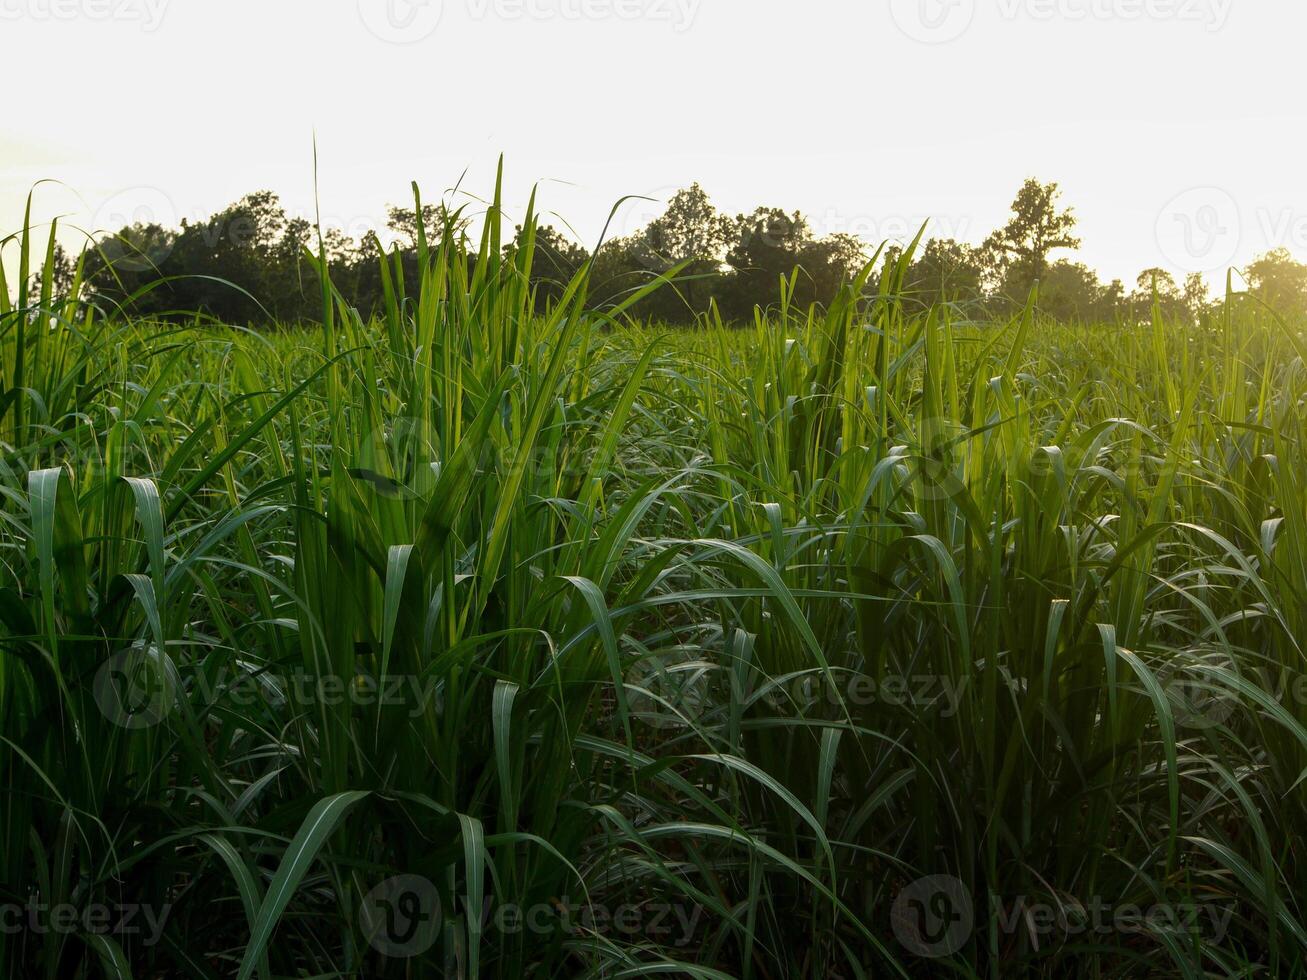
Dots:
pixel 1071 291
pixel 249 263
pixel 618 268
pixel 946 271
pixel 691 229
pixel 765 246
pixel 1158 287
pixel 1019 250
pixel 557 259
pixel 1195 296
pixel 237 247
pixel 241 265
pixel 691 233
pixel 404 222
pixel 135 248
pixel 1112 300
pixel 63 271
pixel 826 264
pixel 1157 281
pixel 1279 281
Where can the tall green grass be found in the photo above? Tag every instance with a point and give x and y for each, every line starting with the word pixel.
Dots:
pixel 775 631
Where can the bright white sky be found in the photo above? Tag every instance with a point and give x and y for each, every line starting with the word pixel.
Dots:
pixel 1175 127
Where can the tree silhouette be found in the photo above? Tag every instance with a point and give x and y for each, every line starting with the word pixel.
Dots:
pixel 249 264
pixel 691 229
pixel 1020 249
pixel 1279 281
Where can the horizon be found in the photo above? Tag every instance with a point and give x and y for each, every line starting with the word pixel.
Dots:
pixel 1195 225
pixel 893 163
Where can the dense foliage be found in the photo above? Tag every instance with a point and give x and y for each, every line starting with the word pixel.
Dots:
pixel 728 266
pixel 859 642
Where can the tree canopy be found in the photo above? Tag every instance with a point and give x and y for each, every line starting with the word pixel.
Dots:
pixel 250 263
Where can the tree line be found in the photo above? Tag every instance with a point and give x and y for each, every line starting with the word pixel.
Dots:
pixel 248 264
